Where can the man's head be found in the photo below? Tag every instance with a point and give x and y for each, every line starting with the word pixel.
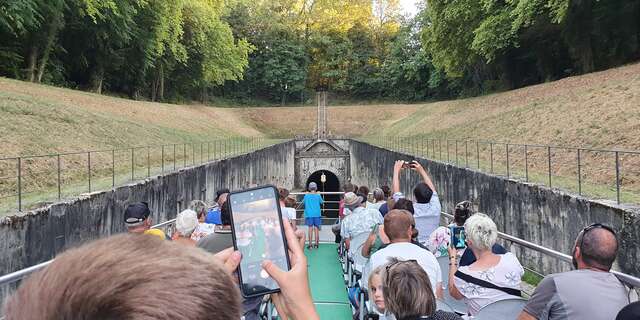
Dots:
pixel 313 186
pixel 186 223
pixel 422 193
pixel 398 225
pixel 596 247
pixel 126 277
pixel 347 187
pixel 137 217
pixel 221 196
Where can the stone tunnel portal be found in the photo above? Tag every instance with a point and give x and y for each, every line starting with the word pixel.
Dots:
pixel 331 184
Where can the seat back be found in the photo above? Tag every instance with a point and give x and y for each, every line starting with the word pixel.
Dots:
pixel 444 268
pixel 503 309
pixel 355 249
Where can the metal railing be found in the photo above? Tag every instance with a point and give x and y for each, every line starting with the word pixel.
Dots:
pixel 32 181
pixel 630 280
pixel 609 173
pixel 324 209
pixel 19 275
pixel 166 226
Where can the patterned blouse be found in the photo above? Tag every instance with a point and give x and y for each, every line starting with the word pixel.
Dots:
pixel 361 220
pixel 507 274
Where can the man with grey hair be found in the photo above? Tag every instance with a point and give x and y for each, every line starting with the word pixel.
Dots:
pixel 589 292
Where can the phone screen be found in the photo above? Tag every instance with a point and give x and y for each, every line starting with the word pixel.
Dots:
pixel 458 237
pixel 258 235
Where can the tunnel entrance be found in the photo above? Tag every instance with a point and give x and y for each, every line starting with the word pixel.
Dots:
pixel 331 184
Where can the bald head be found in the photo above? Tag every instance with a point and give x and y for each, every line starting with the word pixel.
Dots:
pixel 599 248
pixel 398 225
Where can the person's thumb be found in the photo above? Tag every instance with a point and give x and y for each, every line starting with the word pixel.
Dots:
pixel 273 270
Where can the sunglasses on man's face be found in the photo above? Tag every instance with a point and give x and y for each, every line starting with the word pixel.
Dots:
pixel 390 265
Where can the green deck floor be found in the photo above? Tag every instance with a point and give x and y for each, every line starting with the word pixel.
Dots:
pixel 327 284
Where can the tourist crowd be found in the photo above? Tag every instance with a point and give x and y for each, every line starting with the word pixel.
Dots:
pixel 395 242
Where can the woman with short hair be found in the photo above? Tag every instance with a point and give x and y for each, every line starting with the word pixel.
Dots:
pixel 491 277
pixel 408 294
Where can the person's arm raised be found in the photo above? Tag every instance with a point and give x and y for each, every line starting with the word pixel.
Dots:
pixel 423 173
pixel 294 284
pixel 396 175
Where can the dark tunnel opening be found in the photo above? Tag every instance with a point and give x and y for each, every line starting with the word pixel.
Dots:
pixel 331 184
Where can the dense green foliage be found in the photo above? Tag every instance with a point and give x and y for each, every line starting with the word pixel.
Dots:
pixel 282 50
pixel 152 48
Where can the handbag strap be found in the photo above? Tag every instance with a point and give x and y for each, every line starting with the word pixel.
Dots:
pixel 486 284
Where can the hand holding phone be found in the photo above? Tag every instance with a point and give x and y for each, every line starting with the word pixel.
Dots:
pixel 257 229
pixel 408 164
pixel 458 237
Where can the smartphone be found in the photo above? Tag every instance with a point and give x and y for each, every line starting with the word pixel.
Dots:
pixel 258 233
pixel 409 164
pixel 458 237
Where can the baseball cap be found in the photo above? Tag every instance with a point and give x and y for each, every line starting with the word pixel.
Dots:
pixel 220 192
pixel 136 213
pixel 186 222
pixel 313 186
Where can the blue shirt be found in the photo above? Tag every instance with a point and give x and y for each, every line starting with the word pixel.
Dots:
pixel 312 202
pixel 213 216
pixel 384 208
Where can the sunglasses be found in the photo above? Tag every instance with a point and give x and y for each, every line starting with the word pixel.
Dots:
pixel 391 265
pixel 463 205
pixel 591 227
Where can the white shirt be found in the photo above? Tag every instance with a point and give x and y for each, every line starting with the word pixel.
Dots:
pixel 407 251
pixel 507 273
pixel 289 213
pixel 427 216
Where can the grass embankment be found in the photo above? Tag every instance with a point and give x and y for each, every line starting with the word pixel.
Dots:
pixel 351 121
pixel 38 119
pixel 598 110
